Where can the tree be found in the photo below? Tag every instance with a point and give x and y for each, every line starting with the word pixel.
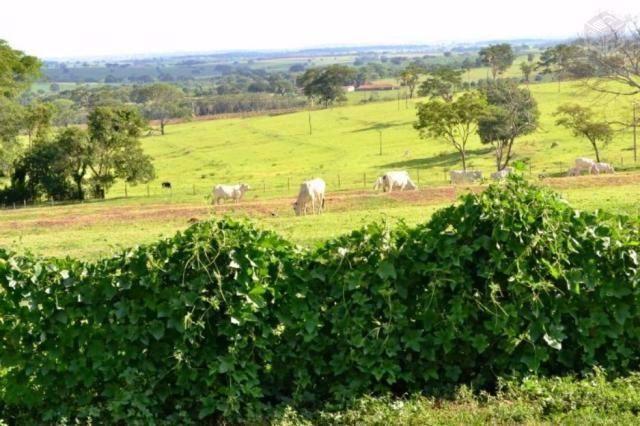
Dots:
pixel 64 112
pixel 453 121
pixel 442 82
pixel 114 149
pixel 614 55
pixel 162 101
pixel 38 173
pixel 409 77
pixel 73 142
pixel 37 121
pixel 512 113
pixel 499 57
pixel 326 84
pixel 17 71
pixel 561 60
pixel 527 69
pixel 582 122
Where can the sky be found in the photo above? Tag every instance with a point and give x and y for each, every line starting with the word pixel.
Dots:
pixel 77 29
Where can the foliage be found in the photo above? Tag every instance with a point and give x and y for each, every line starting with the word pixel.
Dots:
pixel 114 149
pixel 37 121
pixel 17 70
pixel 442 82
pixel 325 84
pixel 582 122
pixel 162 101
pixel 410 77
pixel 454 121
pixel 498 57
pixel 512 113
pixel 224 320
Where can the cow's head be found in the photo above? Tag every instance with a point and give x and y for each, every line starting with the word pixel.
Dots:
pixel 244 187
pixel 296 208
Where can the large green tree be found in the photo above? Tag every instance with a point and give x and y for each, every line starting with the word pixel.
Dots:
pixel 410 76
pixel 37 121
pixel 442 82
pixel 114 150
pixel 325 85
pixel 453 121
pixel 162 102
pixel 498 57
pixel 512 113
pixel 17 71
pixel 582 122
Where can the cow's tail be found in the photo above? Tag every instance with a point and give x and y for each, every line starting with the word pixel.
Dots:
pixel 323 202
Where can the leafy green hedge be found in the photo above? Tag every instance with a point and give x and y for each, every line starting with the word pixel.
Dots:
pixel 225 320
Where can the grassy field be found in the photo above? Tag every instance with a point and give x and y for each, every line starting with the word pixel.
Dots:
pixel 274 153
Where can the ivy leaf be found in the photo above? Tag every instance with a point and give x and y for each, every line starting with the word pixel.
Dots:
pixel 554 343
pixel 156 328
pixel 387 270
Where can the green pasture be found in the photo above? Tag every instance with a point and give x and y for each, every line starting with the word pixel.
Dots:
pixel 274 153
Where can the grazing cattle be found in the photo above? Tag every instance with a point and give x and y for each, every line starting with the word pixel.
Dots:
pixel 460 176
pixel 166 185
pixel 234 192
pixel 501 174
pixel 584 164
pixel 574 171
pixel 602 168
pixel 395 180
pixel 311 192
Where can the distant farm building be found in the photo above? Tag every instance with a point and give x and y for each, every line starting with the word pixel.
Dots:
pixel 349 88
pixel 376 86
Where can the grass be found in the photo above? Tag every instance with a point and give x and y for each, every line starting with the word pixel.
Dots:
pixel 274 153
pixel 532 401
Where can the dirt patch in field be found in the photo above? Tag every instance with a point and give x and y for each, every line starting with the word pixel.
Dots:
pixel 336 202
pixel 78 217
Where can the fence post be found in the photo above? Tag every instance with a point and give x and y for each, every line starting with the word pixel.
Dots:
pixel 288 184
pixel 24 202
pixel 126 195
pixel 14 205
pixel 364 180
pixel 147 190
pixel 418 175
pixel 52 202
pixel 529 169
pixel 338 181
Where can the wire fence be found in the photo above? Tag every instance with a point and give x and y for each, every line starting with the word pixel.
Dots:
pixel 285 186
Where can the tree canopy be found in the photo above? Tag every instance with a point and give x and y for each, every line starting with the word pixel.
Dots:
pixel 325 85
pixel 442 82
pixel 453 121
pixel 498 57
pixel 162 101
pixel 512 113
pixel 583 123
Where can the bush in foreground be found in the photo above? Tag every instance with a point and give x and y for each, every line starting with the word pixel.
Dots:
pixel 226 320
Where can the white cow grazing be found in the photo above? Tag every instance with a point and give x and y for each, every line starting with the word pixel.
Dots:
pixel 311 191
pixel 460 176
pixel 395 180
pixel 602 168
pixel 502 173
pixel 574 171
pixel 234 192
pixel 585 164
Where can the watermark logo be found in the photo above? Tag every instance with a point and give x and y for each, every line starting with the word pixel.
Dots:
pixel 605 25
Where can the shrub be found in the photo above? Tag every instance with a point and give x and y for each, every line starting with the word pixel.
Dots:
pixel 225 320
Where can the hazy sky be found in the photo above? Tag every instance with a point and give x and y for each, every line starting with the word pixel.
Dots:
pixel 74 28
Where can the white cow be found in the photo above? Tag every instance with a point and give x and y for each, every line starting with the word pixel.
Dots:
pixel 502 173
pixel 234 192
pixel 460 176
pixel 584 164
pixel 311 191
pixel 574 171
pixel 602 168
pixel 395 180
